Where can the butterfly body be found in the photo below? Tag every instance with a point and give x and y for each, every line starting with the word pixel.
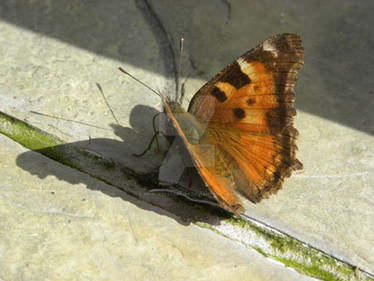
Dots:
pixel 191 127
pixel 239 129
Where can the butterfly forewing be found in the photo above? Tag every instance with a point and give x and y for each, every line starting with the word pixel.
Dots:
pixel 247 110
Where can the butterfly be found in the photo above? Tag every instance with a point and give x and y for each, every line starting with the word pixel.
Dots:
pixel 245 116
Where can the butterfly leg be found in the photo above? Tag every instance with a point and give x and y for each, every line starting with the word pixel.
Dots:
pixel 149 145
pixel 155 130
pixel 154 138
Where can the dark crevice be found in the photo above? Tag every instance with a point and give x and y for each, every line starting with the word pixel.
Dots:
pixel 163 39
pixel 228 7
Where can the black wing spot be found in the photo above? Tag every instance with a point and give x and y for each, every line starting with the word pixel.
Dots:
pixel 219 95
pixel 239 113
pixel 235 76
pixel 250 101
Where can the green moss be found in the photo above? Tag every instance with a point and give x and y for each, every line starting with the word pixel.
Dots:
pixel 206 225
pixel 33 138
pixel 312 270
pixel 27 135
pixel 274 239
pixel 311 263
pixel 261 251
pixel 296 254
pixel 47 144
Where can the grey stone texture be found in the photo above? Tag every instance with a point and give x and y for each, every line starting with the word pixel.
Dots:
pixel 52 54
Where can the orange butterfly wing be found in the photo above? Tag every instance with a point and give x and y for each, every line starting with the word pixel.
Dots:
pixel 247 111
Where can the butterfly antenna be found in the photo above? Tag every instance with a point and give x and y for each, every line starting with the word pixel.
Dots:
pixel 139 81
pixel 179 85
pixel 107 103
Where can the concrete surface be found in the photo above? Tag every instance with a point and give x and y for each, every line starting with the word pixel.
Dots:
pixel 53 53
pixel 54 230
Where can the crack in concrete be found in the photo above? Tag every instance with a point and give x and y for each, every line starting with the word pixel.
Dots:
pixel 20 206
pixel 273 253
pixel 132 230
pixel 162 37
pixel 229 9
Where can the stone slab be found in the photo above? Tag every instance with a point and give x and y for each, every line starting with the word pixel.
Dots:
pixel 52 55
pixel 54 230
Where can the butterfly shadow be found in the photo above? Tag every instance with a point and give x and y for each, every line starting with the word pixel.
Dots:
pixel 121 174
